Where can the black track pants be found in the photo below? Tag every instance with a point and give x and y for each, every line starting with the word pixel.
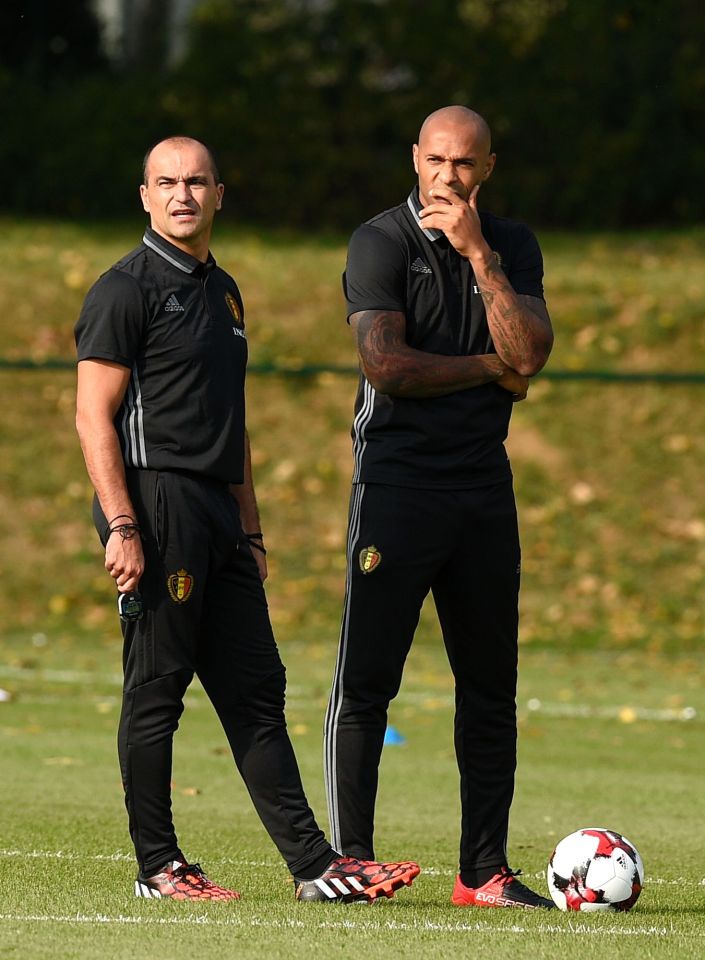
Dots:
pixel 205 613
pixel 462 545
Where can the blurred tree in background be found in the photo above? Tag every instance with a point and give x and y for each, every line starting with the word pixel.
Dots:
pixel 312 105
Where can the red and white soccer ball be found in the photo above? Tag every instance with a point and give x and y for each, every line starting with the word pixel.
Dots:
pixel 595 869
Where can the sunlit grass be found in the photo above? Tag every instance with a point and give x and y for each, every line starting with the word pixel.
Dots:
pixel 601 744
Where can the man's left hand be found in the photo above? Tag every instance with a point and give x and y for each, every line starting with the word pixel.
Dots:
pixel 261 561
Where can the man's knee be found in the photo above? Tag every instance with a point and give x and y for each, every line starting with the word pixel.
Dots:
pixel 267 698
pixel 151 711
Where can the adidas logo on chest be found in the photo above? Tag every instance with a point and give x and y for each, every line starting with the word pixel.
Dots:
pixel 418 266
pixel 172 305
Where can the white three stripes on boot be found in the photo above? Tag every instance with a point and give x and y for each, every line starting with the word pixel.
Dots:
pixel 346 887
pixel 144 890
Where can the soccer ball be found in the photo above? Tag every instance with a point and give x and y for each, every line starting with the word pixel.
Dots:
pixel 595 869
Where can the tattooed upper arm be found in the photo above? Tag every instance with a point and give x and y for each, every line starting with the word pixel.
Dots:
pixel 379 335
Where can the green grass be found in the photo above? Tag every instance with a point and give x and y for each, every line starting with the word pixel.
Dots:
pixel 609 485
pixel 66 868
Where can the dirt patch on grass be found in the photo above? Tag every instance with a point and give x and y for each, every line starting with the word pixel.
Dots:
pixel 527 444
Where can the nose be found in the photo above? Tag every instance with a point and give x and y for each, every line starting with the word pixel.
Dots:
pixel 447 173
pixel 182 190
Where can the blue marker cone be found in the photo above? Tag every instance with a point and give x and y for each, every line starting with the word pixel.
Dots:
pixel 392 737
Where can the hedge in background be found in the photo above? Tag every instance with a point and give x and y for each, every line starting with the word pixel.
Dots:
pixel 597 109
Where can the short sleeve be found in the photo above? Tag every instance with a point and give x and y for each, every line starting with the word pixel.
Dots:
pixel 525 272
pixel 375 272
pixel 112 321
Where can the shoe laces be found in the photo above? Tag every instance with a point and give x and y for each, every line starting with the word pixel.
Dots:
pixel 192 870
pixel 507 875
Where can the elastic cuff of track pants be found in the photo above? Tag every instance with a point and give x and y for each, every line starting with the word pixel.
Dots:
pixel 150 871
pixel 316 867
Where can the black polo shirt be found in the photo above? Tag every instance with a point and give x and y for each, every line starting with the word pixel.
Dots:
pixel 178 325
pixel 454 441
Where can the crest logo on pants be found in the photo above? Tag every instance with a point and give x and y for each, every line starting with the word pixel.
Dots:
pixel 180 586
pixel 370 558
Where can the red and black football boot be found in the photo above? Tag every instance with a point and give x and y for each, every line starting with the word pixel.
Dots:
pixel 348 879
pixel 502 890
pixel 182 881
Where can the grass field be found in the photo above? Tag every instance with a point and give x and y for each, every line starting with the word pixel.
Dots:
pixel 608 750
pixel 609 483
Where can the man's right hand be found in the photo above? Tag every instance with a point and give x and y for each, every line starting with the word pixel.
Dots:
pixel 124 561
pixel 517 385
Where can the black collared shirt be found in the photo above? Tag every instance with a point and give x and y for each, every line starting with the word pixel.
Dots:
pixel 394 263
pixel 178 325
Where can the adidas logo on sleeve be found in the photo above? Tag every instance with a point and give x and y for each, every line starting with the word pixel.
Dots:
pixel 172 305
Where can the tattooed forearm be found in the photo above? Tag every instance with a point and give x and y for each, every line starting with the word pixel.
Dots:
pixel 521 333
pixel 396 369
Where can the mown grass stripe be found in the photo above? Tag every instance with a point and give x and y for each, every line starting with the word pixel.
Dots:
pixel 570 928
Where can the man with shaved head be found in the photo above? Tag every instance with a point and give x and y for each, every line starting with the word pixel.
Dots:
pixel 162 353
pixel 446 305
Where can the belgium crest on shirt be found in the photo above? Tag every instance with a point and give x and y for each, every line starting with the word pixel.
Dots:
pixel 234 308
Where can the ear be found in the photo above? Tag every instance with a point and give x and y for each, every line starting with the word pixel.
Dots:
pixel 220 190
pixel 489 167
pixel 415 156
pixel 145 197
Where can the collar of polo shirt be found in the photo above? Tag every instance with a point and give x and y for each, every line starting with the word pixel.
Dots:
pixel 173 255
pixel 414 204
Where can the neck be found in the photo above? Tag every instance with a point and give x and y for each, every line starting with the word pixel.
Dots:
pixel 198 247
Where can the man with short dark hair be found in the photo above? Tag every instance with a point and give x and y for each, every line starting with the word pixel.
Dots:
pixel 446 304
pixel 162 354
